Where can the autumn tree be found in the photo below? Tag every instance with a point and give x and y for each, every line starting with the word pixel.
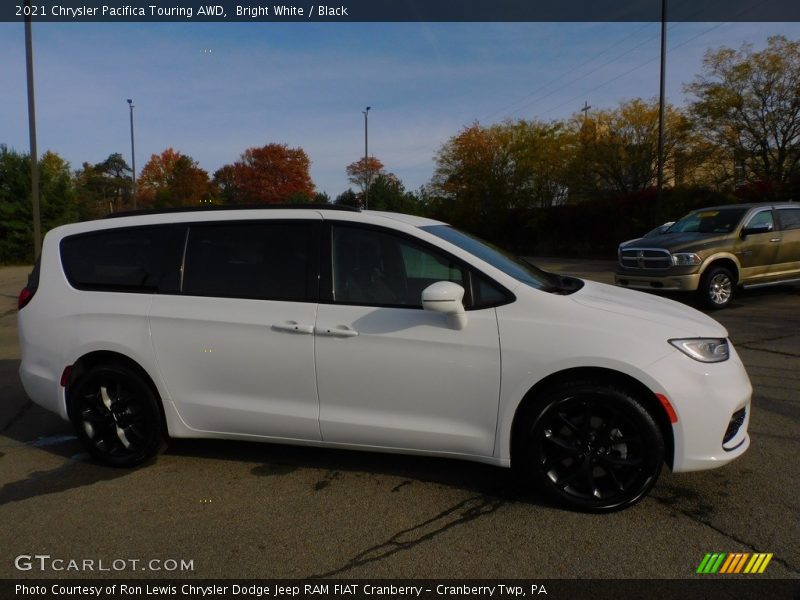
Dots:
pixel 748 106
pixel 475 173
pixel 541 154
pixel 363 173
pixel 172 179
pixel 512 165
pixel 618 148
pixel 270 174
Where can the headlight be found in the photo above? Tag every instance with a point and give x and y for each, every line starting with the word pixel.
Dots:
pixel 685 259
pixel 707 350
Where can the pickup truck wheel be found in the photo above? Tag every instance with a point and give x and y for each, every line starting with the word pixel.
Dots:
pixel 591 446
pixel 716 287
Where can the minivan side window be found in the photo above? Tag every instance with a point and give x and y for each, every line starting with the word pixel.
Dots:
pixel 271 260
pixel 378 268
pixel 131 259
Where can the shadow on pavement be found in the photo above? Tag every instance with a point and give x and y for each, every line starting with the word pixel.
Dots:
pixel 28 424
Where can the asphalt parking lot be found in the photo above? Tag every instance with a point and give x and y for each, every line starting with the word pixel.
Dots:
pixel 254 510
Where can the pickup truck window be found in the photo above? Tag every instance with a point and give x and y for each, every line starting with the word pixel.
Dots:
pixel 723 220
pixel 790 218
pixel 762 219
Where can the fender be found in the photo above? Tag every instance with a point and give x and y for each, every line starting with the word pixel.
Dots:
pixel 722 255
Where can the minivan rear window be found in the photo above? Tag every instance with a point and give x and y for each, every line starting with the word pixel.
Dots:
pixel 132 259
pixel 262 261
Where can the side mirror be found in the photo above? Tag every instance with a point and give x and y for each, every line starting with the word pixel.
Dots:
pixel 756 229
pixel 447 298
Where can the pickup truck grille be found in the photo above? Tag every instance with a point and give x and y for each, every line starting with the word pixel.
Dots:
pixel 645 258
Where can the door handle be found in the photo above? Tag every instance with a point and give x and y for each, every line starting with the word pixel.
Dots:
pixel 292 327
pixel 775 240
pixel 336 331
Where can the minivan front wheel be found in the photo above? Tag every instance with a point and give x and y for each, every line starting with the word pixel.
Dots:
pixel 716 287
pixel 116 415
pixel 592 446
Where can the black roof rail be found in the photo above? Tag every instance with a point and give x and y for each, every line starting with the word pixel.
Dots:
pixel 216 207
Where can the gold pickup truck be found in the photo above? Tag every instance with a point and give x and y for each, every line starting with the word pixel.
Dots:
pixel 712 251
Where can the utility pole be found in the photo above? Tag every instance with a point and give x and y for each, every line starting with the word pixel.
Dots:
pixel 660 182
pixel 37 225
pixel 585 111
pixel 366 158
pixel 133 157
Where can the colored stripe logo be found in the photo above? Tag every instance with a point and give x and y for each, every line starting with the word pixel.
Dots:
pixel 735 562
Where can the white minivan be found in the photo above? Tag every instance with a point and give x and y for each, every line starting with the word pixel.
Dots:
pixel 372 331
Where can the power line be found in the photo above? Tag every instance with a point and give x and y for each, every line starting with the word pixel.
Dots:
pixel 517 104
pixel 629 71
pixel 560 77
pixel 605 64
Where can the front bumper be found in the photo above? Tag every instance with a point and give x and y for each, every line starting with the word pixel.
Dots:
pixel 707 397
pixel 665 281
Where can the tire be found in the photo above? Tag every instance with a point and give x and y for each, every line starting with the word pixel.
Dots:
pixel 117 415
pixel 591 446
pixel 716 287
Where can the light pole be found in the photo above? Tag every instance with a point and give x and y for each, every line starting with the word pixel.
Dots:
pixel 133 156
pixel 661 102
pixel 37 226
pixel 366 158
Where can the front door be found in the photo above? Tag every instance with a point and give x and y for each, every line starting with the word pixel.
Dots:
pixel 757 252
pixel 391 374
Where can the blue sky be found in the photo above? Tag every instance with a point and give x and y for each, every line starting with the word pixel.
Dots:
pixel 213 90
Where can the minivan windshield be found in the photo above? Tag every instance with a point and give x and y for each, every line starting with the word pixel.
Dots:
pixel 510 265
pixel 712 220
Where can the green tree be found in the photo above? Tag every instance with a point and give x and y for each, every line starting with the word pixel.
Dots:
pixel 347 198
pixel 105 187
pixel 748 107
pixel 57 200
pixel 225 186
pixel 387 192
pixel 321 198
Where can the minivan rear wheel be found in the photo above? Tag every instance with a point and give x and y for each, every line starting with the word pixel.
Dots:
pixel 591 446
pixel 116 415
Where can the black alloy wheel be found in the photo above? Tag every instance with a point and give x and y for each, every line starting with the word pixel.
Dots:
pixel 593 447
pixel 116 415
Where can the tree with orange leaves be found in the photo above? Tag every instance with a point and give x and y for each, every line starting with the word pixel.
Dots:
pixel 172 179
pixel 267 175
pixel 364 173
